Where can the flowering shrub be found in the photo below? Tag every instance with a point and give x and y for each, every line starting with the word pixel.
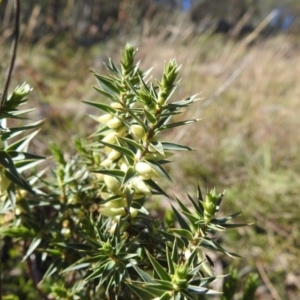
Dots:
pixel 88 230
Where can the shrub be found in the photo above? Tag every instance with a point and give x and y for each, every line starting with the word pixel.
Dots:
pixel 89 229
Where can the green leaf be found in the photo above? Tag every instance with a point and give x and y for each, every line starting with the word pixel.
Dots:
pixel 23 155
pixel 26 127
pixel 158 147
pixel 172 125
pixel 112 67
pixel 139 121
pixel 210 244
pixel 165 296
pixel 51 270
pixel 22 143
pixel 128 153
pixel 198 208
pixel 106 94
pixel 226 219
pixel 171 238
pixel 34 244
pixel 76 267
pixel 19 181
pixel 150 117
pixel 129 197
pixel 159 169
pixel 106 108
pixel 131 142
pixel 140 291
pixel 145 276
pixel 154 186
pixel 201 290
pixel 171 268
pixel 112 172
pixel 130 173
pixel 175 147
pixel 187 296
pixel 107 84
pixel 160 284
pixel 199 194
pixel 182 222
pixel 158 268
pixel 184 103
pixel 17 232
pixel 183 232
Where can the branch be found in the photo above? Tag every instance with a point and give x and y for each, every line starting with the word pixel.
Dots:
pixel 14 52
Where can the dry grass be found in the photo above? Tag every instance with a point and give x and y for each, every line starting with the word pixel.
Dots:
pixel 248 141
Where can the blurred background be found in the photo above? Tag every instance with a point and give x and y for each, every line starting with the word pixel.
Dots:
pixel 241 56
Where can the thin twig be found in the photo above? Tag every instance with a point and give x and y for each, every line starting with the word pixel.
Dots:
pixel 30 272
pixel 5 89
pixel 266 280
pixel 14 52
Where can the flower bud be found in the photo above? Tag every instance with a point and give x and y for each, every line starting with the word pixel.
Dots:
pixel 4 183
pixel 112 184
pixel 110 138
pixel 23 89
pixel 145 171
pixel 152 149
pixel 121 131
pixel 140 187
pixel 112 212
pixel 66 232
pixel 116 105
pixel 114 154
pixel 138 131
pixel 114 123
pixel 137 196
pixel 105 196
pixel 106 163
pixel 105 118
pixel 124 167
pixel 99 176
pixel 142 168
pixel 133 212
pixel 117 203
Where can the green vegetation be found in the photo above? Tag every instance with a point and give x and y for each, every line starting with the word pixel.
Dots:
pixel 91 225
pixel 247 141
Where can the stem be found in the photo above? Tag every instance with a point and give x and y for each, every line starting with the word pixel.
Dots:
pixel 5 89
pixel 13 57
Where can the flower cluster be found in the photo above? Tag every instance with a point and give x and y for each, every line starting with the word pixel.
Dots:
pixel 133 156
